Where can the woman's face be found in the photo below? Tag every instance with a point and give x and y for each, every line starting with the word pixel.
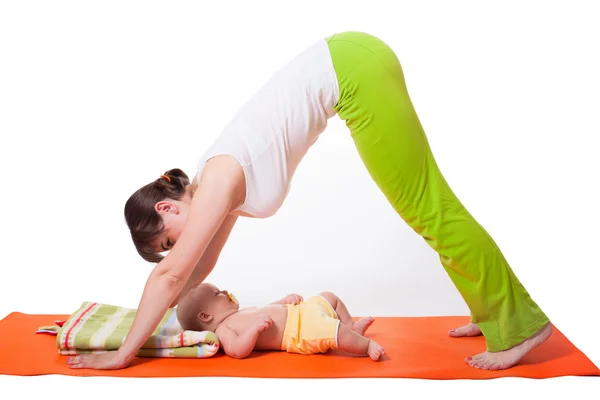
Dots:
pixel 174 214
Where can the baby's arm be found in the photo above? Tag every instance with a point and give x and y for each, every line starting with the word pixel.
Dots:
pixel 240 346
pixel 234 345
pixel 289 299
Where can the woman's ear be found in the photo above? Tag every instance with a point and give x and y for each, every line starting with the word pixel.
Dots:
pixel 163 207
pixel 205 317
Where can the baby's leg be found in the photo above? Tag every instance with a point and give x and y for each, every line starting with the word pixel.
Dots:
pixel 359 327
pixel 350 341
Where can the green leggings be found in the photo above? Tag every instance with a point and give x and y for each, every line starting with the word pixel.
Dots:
pixel 376 107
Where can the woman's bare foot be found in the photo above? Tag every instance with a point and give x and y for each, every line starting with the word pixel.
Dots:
pixel 507 358
pixel 466 331
pixel 362 325
pixel 375 350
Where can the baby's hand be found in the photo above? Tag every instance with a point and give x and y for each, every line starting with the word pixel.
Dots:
pixel 292 299
pixel 263 322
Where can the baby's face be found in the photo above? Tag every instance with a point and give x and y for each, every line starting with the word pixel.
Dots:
pixel 215 301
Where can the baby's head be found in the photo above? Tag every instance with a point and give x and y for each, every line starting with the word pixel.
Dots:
pixel 203 307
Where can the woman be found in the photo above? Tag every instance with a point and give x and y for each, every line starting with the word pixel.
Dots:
pixel 247 172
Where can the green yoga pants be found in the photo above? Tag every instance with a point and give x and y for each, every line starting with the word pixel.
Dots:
pixel 375 106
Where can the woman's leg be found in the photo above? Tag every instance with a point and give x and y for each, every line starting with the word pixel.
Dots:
pixel 376 107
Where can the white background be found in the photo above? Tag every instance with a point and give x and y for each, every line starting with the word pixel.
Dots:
pixel 99 98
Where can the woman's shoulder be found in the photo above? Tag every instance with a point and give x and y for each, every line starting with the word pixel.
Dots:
pixel 221 175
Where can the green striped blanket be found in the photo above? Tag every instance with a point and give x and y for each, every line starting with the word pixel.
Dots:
pixel 98 328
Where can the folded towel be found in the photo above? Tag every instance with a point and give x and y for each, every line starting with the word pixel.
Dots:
pixel 98 328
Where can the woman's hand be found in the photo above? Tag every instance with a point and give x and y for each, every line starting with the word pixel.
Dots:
pixel 109 360
pixel 209 209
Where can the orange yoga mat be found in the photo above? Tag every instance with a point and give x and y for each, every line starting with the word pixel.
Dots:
pixel 416 347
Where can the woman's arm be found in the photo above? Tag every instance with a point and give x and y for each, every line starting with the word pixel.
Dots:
pixel 216 196
pixel 212 202
pixel 211 255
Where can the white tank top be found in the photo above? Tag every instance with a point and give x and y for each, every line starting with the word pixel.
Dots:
pixel 272 132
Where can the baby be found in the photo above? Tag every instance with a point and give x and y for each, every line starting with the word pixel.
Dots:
pixel 290 324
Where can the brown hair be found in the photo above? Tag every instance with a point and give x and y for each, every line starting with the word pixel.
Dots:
pixel 142 219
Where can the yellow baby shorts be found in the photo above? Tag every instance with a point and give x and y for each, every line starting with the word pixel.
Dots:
pixel 311 327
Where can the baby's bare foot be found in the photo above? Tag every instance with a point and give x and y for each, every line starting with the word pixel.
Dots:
pixel 362 325
pixel 508 358
pixel 465 331
pixel 375 350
